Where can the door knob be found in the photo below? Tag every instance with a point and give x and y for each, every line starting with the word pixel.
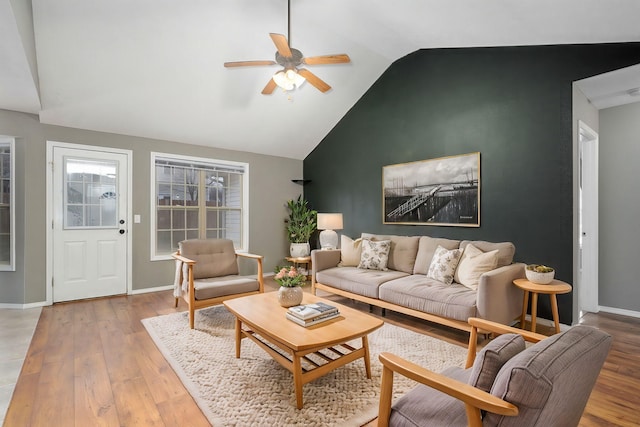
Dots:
pixel 121 231
pixel 122 221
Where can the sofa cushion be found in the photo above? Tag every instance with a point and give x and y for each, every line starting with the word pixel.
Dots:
pixel 550 382
pixel 403 252
pixel 492 357
pixel 425 406
pixel 426 247
pixel 357 280
pixel 473 264
pixel 421 293
pixel 443 264
pixel 350 251
pixel 506 250
pixel 214 257
pixel 375 254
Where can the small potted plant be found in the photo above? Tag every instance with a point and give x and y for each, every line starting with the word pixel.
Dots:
pixel 290 281
pixel 540 274
pixel 300 226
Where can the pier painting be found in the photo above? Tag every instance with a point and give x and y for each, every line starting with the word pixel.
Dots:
pixel 442 191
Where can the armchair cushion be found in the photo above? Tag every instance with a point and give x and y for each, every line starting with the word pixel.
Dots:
pixel 550 382
pixel 492 357
pixel 214 257
pixel 424 406
pixel 215 287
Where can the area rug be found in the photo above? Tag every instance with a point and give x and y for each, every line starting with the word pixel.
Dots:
pixel 256 391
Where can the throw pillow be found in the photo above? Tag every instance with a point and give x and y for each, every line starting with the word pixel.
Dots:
pixel 492 357
pixel 350 251
pixel 473 264
pixel 375 254
pixel 443 264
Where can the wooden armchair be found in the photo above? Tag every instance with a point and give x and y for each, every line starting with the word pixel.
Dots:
pixel 546 384
pixel 210 269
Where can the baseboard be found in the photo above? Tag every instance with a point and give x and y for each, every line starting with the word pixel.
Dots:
pixel 148 290
pixel 620 311
pixel 549 323
pixel 24 306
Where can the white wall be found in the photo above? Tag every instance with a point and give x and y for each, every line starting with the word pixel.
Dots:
pixel 619 285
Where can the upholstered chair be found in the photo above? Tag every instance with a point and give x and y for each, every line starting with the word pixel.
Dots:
pixel 207 274
pixel 545 384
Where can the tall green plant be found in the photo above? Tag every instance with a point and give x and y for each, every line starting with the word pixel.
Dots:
pixel 302 221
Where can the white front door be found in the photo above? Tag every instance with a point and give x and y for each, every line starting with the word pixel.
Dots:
pixel 89 223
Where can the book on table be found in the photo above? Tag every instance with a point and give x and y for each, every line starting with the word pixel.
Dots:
pixel 311 311
pixel 314 320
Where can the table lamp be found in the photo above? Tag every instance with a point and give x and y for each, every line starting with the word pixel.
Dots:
pixel 328 222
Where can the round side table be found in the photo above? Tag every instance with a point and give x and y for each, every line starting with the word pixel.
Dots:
pixel 296 261
pixel 552 289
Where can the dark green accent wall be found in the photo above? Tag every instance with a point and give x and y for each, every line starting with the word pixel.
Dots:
pixel 512 104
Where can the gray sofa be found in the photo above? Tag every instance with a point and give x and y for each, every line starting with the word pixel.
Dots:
pixel 405 287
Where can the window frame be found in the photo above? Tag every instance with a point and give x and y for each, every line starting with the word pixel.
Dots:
pixel 11 143
pixel 244 216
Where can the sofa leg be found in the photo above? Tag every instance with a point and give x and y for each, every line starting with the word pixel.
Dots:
pixel 384 312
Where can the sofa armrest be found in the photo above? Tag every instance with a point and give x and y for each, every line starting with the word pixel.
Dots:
pixel 321 259
pixel 498 298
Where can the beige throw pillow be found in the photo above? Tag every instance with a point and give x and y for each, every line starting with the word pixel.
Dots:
pixel 350 251
pixel 473 264
pixel 443 264
pixel 375 254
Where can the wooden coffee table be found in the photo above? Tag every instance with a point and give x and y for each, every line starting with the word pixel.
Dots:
pixel 308 353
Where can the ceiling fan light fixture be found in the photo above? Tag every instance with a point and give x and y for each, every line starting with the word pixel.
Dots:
pixel 288 79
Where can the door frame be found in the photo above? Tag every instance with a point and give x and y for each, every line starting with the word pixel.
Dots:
pixel 49 209
pixel 588 289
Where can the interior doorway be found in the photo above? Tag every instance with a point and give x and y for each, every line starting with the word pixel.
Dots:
pixel 587 219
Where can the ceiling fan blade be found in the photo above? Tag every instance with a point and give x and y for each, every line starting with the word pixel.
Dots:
pixel 282 44
pixel 327 59
pixel 269 88
pixel 248 63
pixel 314 80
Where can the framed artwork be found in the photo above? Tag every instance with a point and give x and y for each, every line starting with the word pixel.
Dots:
pixel 442 191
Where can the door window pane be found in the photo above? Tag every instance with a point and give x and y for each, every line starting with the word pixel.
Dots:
pixel 90 193
pixel 7 206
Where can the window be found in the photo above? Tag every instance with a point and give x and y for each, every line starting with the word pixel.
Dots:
pixel 197 198
pixel 7 204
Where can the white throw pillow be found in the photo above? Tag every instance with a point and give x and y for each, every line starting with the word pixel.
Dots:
pixel 375 254
pixel 443 264
pixel 473 264
pixel 350 251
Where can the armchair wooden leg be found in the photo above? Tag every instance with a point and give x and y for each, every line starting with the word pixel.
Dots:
pixel 386 392
pixel 192 315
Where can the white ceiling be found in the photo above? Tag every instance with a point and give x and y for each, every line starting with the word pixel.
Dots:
pixel 153 68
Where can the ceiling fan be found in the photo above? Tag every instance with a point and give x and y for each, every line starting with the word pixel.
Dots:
pixel 291 59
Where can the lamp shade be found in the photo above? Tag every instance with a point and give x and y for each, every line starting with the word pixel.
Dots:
pixel 330 221
pixel 288 79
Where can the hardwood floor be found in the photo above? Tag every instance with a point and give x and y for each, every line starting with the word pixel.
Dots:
pixel 91 363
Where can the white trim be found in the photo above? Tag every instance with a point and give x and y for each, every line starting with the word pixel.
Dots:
pixel 4 139
pixel 152 206
pixel 49 214
pixel 149 290
pixel 24 306
pixel 620 311
pixel 546 322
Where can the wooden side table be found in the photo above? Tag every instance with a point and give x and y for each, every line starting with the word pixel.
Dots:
pixel 296 261
pixel 552 289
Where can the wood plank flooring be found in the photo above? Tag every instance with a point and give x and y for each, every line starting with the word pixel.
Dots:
pixel 91 363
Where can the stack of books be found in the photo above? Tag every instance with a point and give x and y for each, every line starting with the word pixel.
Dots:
pixel 312 314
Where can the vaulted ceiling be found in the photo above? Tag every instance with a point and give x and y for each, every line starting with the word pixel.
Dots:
pixel 153 68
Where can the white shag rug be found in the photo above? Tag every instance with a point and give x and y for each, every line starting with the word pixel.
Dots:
pixel 256 391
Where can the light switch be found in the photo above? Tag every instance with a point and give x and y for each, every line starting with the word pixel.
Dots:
pixel 136 219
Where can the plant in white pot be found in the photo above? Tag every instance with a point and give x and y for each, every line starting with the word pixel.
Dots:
pixel 300 226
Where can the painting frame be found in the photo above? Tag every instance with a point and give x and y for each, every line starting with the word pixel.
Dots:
pixel 443 191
